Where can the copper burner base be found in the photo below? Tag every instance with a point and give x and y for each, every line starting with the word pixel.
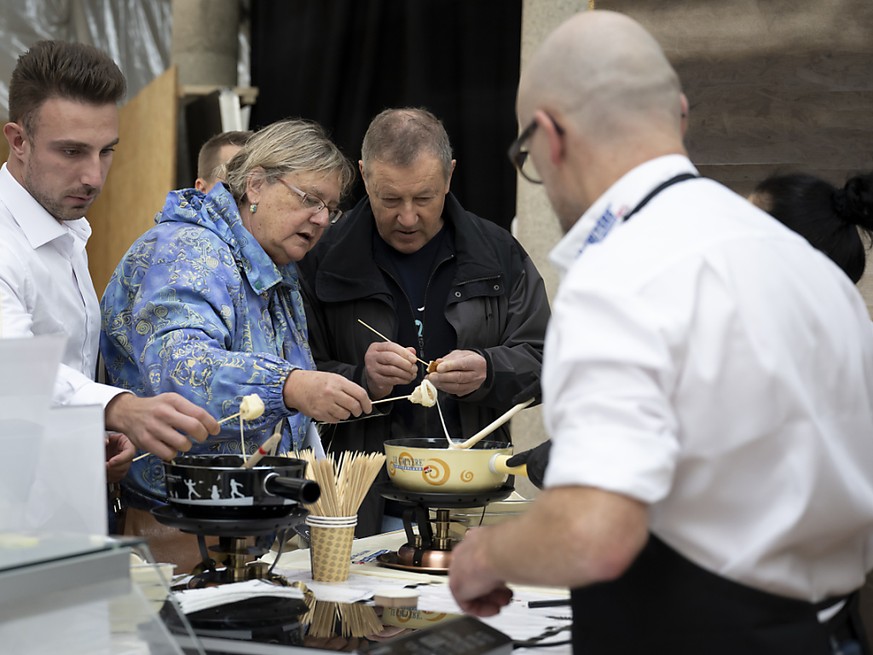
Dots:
pixel 409 558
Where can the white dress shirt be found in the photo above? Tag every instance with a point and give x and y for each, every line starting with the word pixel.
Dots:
pixel 45 288
pixel 704 359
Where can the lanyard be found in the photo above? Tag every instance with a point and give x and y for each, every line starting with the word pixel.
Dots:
pixel 645 201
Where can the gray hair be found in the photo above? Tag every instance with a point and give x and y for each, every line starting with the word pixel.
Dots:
pixel 287 146
pixel 398 136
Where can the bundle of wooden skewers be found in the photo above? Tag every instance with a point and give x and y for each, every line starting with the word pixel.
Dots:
pixel 330 619
pixel 343 482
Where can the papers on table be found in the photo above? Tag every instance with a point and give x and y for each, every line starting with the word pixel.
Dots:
pixel 194 600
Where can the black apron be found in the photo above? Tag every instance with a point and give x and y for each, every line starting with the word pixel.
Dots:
pixel 665 603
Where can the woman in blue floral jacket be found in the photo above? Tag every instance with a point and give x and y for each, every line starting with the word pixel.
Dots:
pixel 207 303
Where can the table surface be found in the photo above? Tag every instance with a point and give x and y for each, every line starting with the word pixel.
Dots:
pixel 366 577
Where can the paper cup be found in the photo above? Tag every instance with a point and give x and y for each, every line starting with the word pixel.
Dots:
pixel 330 546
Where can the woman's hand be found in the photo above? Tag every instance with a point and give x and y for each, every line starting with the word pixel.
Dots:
pixel 325 397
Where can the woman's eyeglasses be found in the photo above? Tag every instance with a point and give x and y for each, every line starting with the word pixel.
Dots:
pixel 314 204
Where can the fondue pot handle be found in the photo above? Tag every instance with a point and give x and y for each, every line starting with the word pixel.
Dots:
pixel 299 489
pixel 497 464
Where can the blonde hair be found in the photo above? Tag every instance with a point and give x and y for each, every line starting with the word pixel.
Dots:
pixel 287 146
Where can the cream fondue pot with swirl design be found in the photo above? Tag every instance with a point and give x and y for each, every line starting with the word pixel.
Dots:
pixel 427 465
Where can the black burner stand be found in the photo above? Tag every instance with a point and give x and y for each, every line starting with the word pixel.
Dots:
pixel 416 506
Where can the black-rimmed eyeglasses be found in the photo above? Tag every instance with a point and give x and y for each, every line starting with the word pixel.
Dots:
pixel 520 156
pixel 313 203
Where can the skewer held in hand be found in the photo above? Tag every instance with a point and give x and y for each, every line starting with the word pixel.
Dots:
pixel 229 418
pixel 385 400
pixel 376 332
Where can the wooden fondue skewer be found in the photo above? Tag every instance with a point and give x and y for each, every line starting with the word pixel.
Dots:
pixel 229 418
pixel 143 456
pixel 242 440
pixel 375 331
pixel 423 394
pixel 488 429
pixel 385 400
pixel 264 448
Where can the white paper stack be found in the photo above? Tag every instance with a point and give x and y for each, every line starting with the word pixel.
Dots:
pixel 194 600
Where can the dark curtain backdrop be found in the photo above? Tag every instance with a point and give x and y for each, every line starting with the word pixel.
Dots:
pixel 340 62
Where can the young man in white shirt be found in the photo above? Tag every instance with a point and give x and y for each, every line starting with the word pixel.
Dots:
pixel 62 132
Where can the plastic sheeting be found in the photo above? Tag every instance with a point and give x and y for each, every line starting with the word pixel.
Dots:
pixel 135 33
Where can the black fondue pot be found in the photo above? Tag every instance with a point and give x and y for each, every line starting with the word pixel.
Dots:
pixel 217 486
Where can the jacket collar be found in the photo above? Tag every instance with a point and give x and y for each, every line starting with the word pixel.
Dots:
pixel 218 213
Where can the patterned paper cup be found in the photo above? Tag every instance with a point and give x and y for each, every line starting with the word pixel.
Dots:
pixel 330 546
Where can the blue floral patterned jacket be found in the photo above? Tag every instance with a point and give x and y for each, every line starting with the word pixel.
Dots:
pixel 197 307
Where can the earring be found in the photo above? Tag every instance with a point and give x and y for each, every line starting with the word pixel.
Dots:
pixel 253 208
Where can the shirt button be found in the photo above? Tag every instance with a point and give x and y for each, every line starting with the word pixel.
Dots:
pixel 457 294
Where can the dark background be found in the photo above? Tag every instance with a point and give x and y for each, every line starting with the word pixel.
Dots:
pixel 341 62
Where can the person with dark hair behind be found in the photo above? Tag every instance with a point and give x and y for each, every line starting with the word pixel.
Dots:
pixel 835 220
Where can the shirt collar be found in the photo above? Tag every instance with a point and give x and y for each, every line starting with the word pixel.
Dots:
pixel 618 199
pixel 38 226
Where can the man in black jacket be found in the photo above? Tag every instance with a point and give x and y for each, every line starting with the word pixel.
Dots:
pixel 441 283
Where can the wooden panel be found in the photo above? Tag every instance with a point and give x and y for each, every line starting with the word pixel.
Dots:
pixel 143 171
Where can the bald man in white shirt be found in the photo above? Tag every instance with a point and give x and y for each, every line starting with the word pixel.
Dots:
pixel 707 387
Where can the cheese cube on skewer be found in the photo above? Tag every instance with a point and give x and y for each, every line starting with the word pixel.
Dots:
pixel 424 394
pixel 251 407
